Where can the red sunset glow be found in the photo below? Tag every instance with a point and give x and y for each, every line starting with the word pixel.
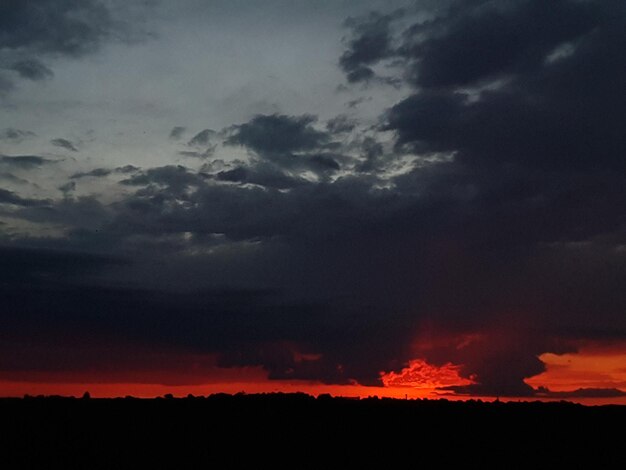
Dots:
pixel 421 375
pixel 592 368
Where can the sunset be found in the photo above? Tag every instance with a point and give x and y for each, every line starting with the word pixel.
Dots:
pixel 402 199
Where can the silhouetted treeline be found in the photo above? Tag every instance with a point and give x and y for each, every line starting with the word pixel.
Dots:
pixel 299 431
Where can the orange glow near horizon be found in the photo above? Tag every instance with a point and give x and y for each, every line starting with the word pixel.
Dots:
pixel 592 367
pixel 421 375
pixel 112 390
pixel 107 390
pixel 418 380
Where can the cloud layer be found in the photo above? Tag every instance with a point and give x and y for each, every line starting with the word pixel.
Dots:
pixel 479 222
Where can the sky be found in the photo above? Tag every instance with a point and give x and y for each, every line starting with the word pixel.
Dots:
pixel 360 197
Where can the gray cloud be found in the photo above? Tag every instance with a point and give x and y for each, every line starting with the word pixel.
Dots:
pixel 68 188
pixel 371 42
pixel 340 125
pixel 12 178
pixel 202 138
pixel 278 134
pixel 54 26
pixel 172 178
pixel 102 172
pixel 373 151
pixel 290 142
pixel 64 143
pixel 96 173
pixel 9 197
pixel 32 69
pixel 6 85
pixel 15 135
pixel 207 153
pixel 262 175
pixel 24 161
pixel 177 132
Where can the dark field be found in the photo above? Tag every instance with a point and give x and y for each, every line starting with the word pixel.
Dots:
pixel 300 431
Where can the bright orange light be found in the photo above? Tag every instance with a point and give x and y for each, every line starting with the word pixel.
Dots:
pixel 420 374
pixel 591 367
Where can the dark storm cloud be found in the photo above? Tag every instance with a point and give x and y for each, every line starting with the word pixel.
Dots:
pixel 505 241
pixel 398 258
pixel 205 322
pixel 538 156
pixel 538 57
pixel 64 143
pixel 244 327
pixel 489 39
pixel 24 161
pixel 32 69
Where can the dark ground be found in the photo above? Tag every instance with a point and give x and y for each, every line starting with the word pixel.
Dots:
pixel 300 431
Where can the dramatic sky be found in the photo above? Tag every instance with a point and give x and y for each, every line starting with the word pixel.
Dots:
pixel 356 196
